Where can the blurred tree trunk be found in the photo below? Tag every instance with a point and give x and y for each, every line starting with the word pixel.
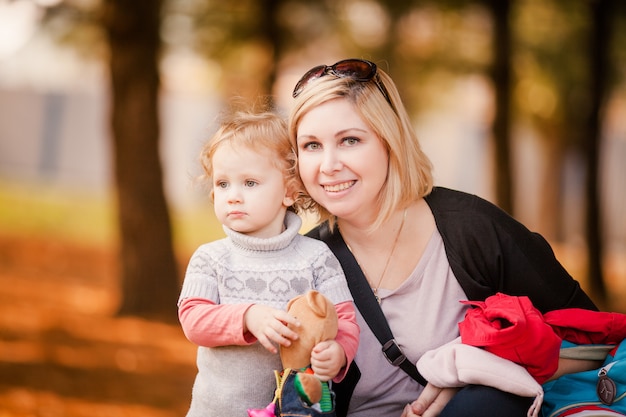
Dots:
pixel 148 268
pixel 599 41
pixel 501 76
pixel 270 31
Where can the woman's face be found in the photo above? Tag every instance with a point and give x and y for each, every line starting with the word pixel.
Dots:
pixel 342 162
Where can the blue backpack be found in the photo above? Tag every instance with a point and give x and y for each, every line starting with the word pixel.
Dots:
pixel 599 392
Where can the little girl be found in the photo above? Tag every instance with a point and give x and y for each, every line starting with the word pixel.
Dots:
pixel 236 289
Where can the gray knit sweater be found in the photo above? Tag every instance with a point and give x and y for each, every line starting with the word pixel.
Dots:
pixel 246 269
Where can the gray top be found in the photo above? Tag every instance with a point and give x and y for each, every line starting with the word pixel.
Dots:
pixel 245 269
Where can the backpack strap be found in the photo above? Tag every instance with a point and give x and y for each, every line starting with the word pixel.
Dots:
pixel 366 303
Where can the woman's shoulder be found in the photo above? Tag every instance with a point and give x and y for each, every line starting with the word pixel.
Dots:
pixel 447 199
pixel 462 206
pixel 460 212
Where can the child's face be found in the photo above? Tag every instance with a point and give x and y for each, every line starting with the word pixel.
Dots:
pixel 249 191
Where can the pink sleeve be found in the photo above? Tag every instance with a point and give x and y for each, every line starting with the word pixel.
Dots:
pixel 208 324
pixel 347 334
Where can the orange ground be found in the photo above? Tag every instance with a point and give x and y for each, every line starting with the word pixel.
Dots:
pixel 63 354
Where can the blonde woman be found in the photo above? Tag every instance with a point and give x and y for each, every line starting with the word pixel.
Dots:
pixel 421 249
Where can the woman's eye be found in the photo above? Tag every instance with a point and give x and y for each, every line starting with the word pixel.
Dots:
pixel 351 140
pixel 311 146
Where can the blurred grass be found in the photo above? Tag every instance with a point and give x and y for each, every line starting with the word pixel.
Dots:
pixel 89 218
pixel 69 215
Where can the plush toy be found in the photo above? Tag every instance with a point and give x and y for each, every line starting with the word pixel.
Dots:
pixel 318 322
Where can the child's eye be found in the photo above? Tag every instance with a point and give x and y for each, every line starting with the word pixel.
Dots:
pixel 250 183
pixel 221 184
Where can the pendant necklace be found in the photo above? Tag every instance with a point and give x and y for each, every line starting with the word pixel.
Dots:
pixel 393 248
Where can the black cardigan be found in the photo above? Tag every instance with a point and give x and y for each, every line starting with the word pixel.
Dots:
pixel 490 252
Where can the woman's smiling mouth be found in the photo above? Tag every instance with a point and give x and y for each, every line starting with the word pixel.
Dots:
pixel 338 187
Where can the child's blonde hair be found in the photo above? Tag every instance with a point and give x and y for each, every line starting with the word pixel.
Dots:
pixel 263 132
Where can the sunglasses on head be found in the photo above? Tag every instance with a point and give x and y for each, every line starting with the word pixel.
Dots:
pixel 355 69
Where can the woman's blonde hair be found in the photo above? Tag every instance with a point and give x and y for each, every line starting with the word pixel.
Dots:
pixel 263 132
pixel 409 173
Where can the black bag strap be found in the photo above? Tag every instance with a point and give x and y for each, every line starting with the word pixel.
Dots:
pixel 367 304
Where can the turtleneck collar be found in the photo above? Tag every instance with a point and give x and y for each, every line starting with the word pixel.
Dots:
pixel 293 222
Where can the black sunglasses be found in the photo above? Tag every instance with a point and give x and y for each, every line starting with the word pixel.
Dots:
pixel 355 69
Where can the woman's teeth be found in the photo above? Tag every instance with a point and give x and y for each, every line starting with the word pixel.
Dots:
pixel 338 187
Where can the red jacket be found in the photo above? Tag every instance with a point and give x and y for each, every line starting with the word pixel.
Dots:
pixel 585 327
pixel 512 328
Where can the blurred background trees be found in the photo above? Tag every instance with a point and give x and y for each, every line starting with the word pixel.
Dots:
pixel 514 72
pixel 147 261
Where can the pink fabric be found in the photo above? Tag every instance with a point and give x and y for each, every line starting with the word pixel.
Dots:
pixel 581 326
pixel 208 324
pixel 347 334
pixel 457 365
pixel 512 328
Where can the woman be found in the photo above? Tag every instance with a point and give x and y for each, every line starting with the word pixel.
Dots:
pixel 422 249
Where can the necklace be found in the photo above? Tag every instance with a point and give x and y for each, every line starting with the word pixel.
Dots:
pixel 393 248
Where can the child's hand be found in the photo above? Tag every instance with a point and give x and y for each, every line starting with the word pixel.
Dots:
pixel 269 326
pixel 327 359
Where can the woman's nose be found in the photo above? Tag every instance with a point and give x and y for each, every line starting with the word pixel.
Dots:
pixel 330 162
